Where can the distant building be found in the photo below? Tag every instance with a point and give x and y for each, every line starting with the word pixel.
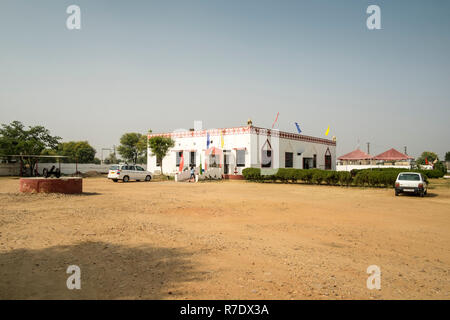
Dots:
pixel 358 159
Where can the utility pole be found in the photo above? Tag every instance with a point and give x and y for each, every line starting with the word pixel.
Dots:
pixel 368 147
pixel 406 151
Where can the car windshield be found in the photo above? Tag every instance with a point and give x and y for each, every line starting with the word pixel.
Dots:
pixel 409 177
pixel 114 168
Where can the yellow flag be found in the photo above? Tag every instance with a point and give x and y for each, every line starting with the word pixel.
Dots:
pixel 328 130
pixel 222 142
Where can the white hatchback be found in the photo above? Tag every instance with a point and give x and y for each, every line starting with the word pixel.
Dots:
pixel 128 172
pixel 411 182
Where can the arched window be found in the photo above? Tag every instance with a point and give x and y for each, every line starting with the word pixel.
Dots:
pixel 328 159
pixel 266 155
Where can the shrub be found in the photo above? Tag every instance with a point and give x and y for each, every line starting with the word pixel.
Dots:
pixel 331 177
pixel 307 175
pixel 252 174
pixel 284 174
pixel 345 178
pixel 318 176
pixel 361 178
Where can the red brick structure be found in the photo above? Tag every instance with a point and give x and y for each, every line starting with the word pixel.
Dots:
pixel 51 185
pixel 233 176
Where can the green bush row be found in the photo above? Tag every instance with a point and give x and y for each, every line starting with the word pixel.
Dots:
pixel 379 177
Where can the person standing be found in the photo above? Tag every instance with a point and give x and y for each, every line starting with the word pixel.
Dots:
pixel 192 174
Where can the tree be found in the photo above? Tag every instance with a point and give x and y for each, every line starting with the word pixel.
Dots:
pixel 15 139
pixel 159 147
pixel 48 152
pixel 429 156
pixel 132 146
pixel 111 159
pixel 447 156
pixel 77 151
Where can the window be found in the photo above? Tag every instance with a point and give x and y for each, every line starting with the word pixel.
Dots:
pixel 266 159
pixel 139 168
pixel 308 163
pixel 131 168
pixel 192 159
pixel 288 160
pixel 409 177
pixel 114 168
pixel 240 158
pixel 179 154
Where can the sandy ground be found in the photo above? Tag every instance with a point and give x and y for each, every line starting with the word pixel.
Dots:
pixel 223 240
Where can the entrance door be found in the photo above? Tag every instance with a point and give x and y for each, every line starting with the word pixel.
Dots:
pixel 226 162
pixel 328 159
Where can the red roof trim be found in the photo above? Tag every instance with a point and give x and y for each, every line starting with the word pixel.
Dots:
pixel 245 130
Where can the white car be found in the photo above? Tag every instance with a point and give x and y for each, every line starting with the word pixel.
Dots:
pixel 411 182
pixel 127 172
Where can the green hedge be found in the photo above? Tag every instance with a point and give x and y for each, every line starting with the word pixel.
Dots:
pixel 378 177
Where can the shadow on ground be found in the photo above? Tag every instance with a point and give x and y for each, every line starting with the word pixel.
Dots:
pixel 107 272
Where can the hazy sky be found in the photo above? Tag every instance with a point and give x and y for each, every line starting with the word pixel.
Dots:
pixel 160 65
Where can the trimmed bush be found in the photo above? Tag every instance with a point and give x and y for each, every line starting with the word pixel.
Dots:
pixel 252 174
pixel 345 178
pixel 377 177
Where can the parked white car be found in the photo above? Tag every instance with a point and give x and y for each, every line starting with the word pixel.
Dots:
pixel 127 172
pixel 411 182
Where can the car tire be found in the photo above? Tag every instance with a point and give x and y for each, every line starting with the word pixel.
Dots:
pixel 421 194
pixel 396 193
pixel 148 178
pixel 126 179
pixel 425 192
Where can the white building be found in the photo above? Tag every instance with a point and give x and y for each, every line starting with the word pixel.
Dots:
pixel 233 149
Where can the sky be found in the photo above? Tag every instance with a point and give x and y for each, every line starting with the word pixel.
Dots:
pixel 160 65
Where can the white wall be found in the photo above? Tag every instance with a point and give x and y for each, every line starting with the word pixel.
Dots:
pixel 13 169
pixel 350 167
pixel 253 144
pixel 198 144
pixel 9 169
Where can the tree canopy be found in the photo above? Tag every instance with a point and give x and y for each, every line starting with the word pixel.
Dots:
pixel 159 147
pixel 429 156
pixel 132 146
pixel 16 139
pixel 77 151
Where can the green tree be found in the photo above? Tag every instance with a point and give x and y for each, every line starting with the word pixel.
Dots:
pixel 48 152
pixel 447 156
pixel 132 146
pixel 77 151
pixel 159 147
pixel 428 155
pixel 111 159
pixel 15 139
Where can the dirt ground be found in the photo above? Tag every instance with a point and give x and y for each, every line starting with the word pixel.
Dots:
pixel 223 240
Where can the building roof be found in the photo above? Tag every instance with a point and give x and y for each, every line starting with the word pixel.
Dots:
pixel 392 155
pixel 356 155
pixel 244 130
